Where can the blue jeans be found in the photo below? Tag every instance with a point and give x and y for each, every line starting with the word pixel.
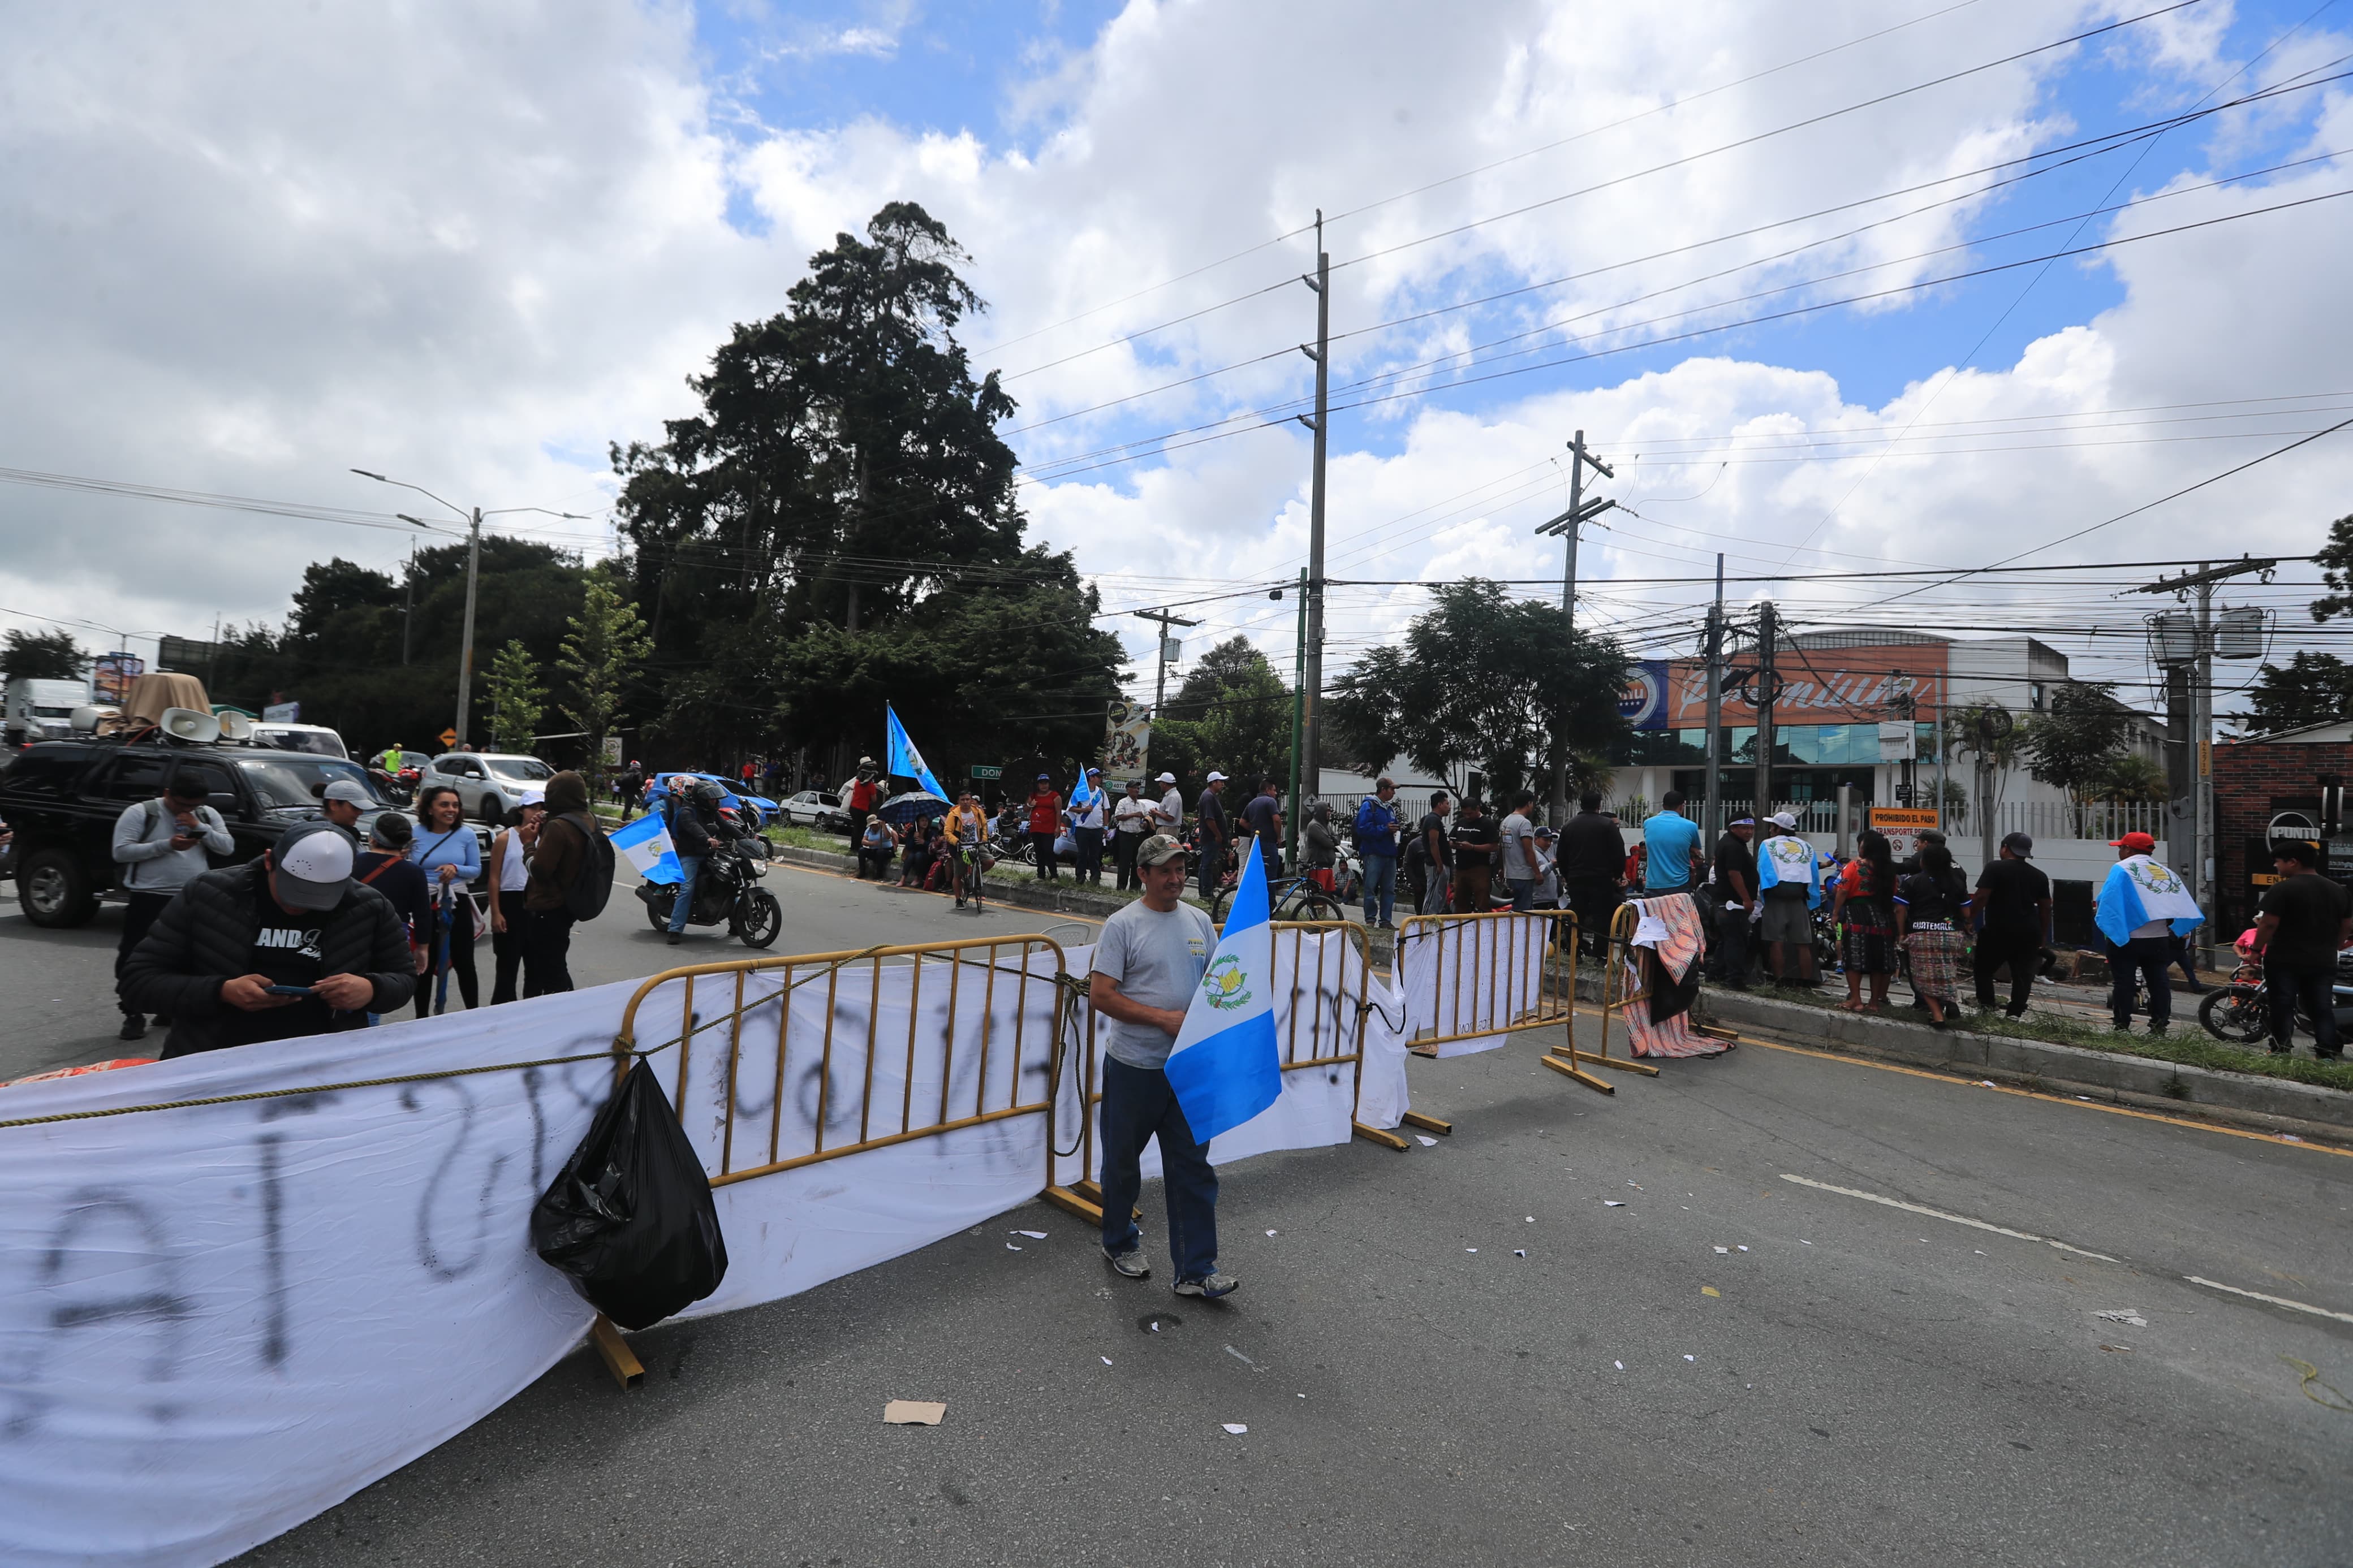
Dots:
pixel 690 867
pixel 1523 895
pixel 1380 881
pixel 1137 1103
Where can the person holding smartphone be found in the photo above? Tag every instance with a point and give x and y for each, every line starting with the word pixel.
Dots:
pixel 289 944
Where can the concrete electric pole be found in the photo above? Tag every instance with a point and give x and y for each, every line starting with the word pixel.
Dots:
pixel 1768 687
pixel 1308 762
pixel 1580 512
pixel 1716 711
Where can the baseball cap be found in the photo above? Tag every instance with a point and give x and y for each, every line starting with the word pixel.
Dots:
pixel 1159 850
pixel 1045 778
pixel 1786 821
pixel 2018 843
pixel 1095 773
pixel 313 865
pixel 1542 832
pixel 1166 778
pixel 346 791
pixel 1216 777
pixel 2139 843
pixel 532 797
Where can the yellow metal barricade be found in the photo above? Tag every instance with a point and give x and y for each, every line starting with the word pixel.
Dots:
pixel 1620 988
pixel 1329 1033
pixel 1501 984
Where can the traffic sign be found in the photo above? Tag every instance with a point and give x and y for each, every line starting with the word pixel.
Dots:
pixel 449 739
pixel 983 771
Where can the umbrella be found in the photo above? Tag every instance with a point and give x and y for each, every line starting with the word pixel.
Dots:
pixel 900 809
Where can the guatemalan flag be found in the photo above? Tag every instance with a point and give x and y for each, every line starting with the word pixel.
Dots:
pixel 646 843
pixel 1224 1067
pixel 905 761
pixel 2138 890
pixel 1786 857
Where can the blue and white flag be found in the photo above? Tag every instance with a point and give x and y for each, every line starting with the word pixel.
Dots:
pixel 2138 890
pixel 1224 1067
pixel 646 843
pixel 1786 857
pixel 905 762
pixel 1079 792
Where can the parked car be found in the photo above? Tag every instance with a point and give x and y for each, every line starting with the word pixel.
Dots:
pixel 815 808
pixel 315 739
pixel 62 798
pixel 489 783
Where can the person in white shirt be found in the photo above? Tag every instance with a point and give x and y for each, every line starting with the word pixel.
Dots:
pixel 1086 819
pixel 1171 809
pixel 1132 817
pixel 161 846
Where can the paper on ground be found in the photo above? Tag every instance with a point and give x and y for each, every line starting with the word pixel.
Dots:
pixel 1235 1428
pixel 914 1412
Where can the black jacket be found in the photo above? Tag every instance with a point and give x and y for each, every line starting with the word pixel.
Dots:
pixel 205 936
pixel 1591 848
pixel 689 833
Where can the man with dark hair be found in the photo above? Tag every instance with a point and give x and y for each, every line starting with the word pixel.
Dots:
pixel 1736 889
pixel 161 846
pixel 1476 840
pixel 1264 816
pixel 1435 856
pixel 1376 843
pixel 2304 920
pixel 1520 872
pixel 2012 910
pixel 1671 841
pixel 282 946
pixel 1592 870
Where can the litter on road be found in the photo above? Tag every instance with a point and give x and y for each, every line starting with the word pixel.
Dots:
pixel 914 1412
pixel 1612 1203
pixel 2130 1315
pixel 1427 1143
pixel 1235 1428
pixel 1033 1234
pixel 1711 1290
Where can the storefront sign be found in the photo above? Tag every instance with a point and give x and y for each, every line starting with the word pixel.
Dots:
pixel 1820 685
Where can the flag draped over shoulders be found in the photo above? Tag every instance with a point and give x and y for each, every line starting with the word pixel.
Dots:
pixel 2138 890
pixel 1786 857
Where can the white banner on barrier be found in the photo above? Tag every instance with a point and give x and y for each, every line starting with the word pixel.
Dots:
pixel 1472 980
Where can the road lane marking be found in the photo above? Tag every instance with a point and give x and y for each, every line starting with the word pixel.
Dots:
pixel 1940 1214
pixel 2274 1300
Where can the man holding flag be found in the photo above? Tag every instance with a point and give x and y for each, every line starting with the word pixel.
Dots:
pixel 1190 1053
pixel 2142 907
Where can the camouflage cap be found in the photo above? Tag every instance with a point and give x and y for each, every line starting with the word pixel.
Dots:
pixel 1159 850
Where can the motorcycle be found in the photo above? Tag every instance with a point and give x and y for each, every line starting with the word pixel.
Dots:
pixel 2240 1012
pixel 399 788
pixel 727 890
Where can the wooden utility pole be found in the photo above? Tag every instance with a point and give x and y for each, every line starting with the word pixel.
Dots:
pixel 1306 754
pixel 1580 512
pixel 1715 709
pixel 1162 659
pixel 1768 688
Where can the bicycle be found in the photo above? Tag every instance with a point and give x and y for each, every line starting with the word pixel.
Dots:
pixel 1292 898
pixel 968 858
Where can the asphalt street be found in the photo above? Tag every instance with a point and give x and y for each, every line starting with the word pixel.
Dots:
pixel 1687 1324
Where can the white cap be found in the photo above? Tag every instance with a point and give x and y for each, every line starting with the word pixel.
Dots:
pixel 1216 777
pixel 1166 778
pixel 313 865
pixel 1785 821
pixel 532 797
pixel 349 791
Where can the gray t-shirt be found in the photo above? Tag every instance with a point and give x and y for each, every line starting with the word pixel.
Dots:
pixel 1157 959
pixel 1519 839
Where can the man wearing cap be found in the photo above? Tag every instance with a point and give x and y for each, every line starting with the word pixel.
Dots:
pixel 1147 963
pixel 865 795
pixel 2140 908
pixel 1735 872
pixel 344 801
pixel 1132 817
pixel 2301 923
pixel 1214 833
pixel 2012 909
pixel 161 846
pixel 1168 816
pixel 1789 888
pixel 1546 894
pixel 1087 821
pixel 285 945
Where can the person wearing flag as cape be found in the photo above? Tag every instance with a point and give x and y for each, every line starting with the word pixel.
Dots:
pixel 1190 1053
pixel 1789 886
pixel 2142 907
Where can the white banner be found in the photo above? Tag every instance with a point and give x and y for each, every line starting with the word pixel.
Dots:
pixel 217 1321
pixel 1473 979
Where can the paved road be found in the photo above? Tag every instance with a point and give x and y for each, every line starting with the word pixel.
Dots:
pixel 1868 1383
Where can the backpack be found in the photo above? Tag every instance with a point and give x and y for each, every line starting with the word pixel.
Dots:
pixel 584 900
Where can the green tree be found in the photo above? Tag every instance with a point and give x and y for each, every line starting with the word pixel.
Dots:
pixel 607 642
pixel 2334 560
pixel 1487 682
pixel 2074 744
pixel 2131 779
pixel 2314 689
pixel 41 655
pixel 516 698
pixel 1232 713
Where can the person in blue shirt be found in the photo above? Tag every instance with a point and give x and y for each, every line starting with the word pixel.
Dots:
pixel 444 848
pixel 1673 860
pixel 1376 841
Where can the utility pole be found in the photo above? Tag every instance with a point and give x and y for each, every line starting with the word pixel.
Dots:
pixel 1306 751
pixel 1298 726
pixel 466 650
pixel 408 602
pixel 1715 708
pixel 1768 689
pixel 1580 512
pixel 2201 719
pixel 1162 659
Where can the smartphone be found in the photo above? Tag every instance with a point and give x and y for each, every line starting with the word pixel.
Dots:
pixel 288 990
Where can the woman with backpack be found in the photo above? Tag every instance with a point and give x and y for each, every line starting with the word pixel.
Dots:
pixel 571 877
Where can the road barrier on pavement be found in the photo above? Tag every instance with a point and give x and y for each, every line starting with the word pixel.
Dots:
pixel 1625 981
pixel 1470 980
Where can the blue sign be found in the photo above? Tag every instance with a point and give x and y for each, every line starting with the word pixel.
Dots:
pixel 1643 702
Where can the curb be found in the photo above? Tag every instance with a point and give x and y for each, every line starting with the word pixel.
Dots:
pixel 2139 1082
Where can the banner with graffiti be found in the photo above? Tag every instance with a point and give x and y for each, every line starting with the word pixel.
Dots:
pixel 1127 741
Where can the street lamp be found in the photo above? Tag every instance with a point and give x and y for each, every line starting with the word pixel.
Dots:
pixel 473 520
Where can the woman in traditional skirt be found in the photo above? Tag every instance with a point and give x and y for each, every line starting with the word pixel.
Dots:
pixel 1930 906
pixel 1864 910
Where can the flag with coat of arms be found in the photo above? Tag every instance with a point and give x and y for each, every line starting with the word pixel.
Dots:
pixel 905 762
pixel 646 843
pixel 1224 1067
pixel 1786 857
pixel 2140 889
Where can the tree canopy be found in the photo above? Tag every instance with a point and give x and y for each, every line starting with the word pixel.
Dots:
pixel 40 656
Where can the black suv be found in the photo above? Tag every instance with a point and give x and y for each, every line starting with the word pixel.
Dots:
pixel 62 798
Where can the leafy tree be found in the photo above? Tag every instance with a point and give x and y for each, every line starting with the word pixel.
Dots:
pixel 2074 746
pixel 2131 779
pixel 1232 715
pixel 607 642
pixel 41 655
pixel 2336 562
pixel 516 697
pixel 2314 689
pixel 1483 680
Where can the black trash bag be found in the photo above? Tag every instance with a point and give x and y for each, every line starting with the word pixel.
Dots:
pixel 631 1217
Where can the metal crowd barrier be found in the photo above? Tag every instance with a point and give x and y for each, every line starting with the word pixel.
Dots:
pixel 1300 1050
pixel 1624 983
pixel 1506 991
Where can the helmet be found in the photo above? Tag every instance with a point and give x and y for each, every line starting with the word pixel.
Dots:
pixel 708 793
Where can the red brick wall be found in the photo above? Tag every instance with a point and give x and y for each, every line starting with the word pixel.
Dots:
pixel 2252 779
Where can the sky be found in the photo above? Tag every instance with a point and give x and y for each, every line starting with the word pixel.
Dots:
pixel 1833 288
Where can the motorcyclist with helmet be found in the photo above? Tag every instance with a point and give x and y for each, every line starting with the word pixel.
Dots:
pixel 696 828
